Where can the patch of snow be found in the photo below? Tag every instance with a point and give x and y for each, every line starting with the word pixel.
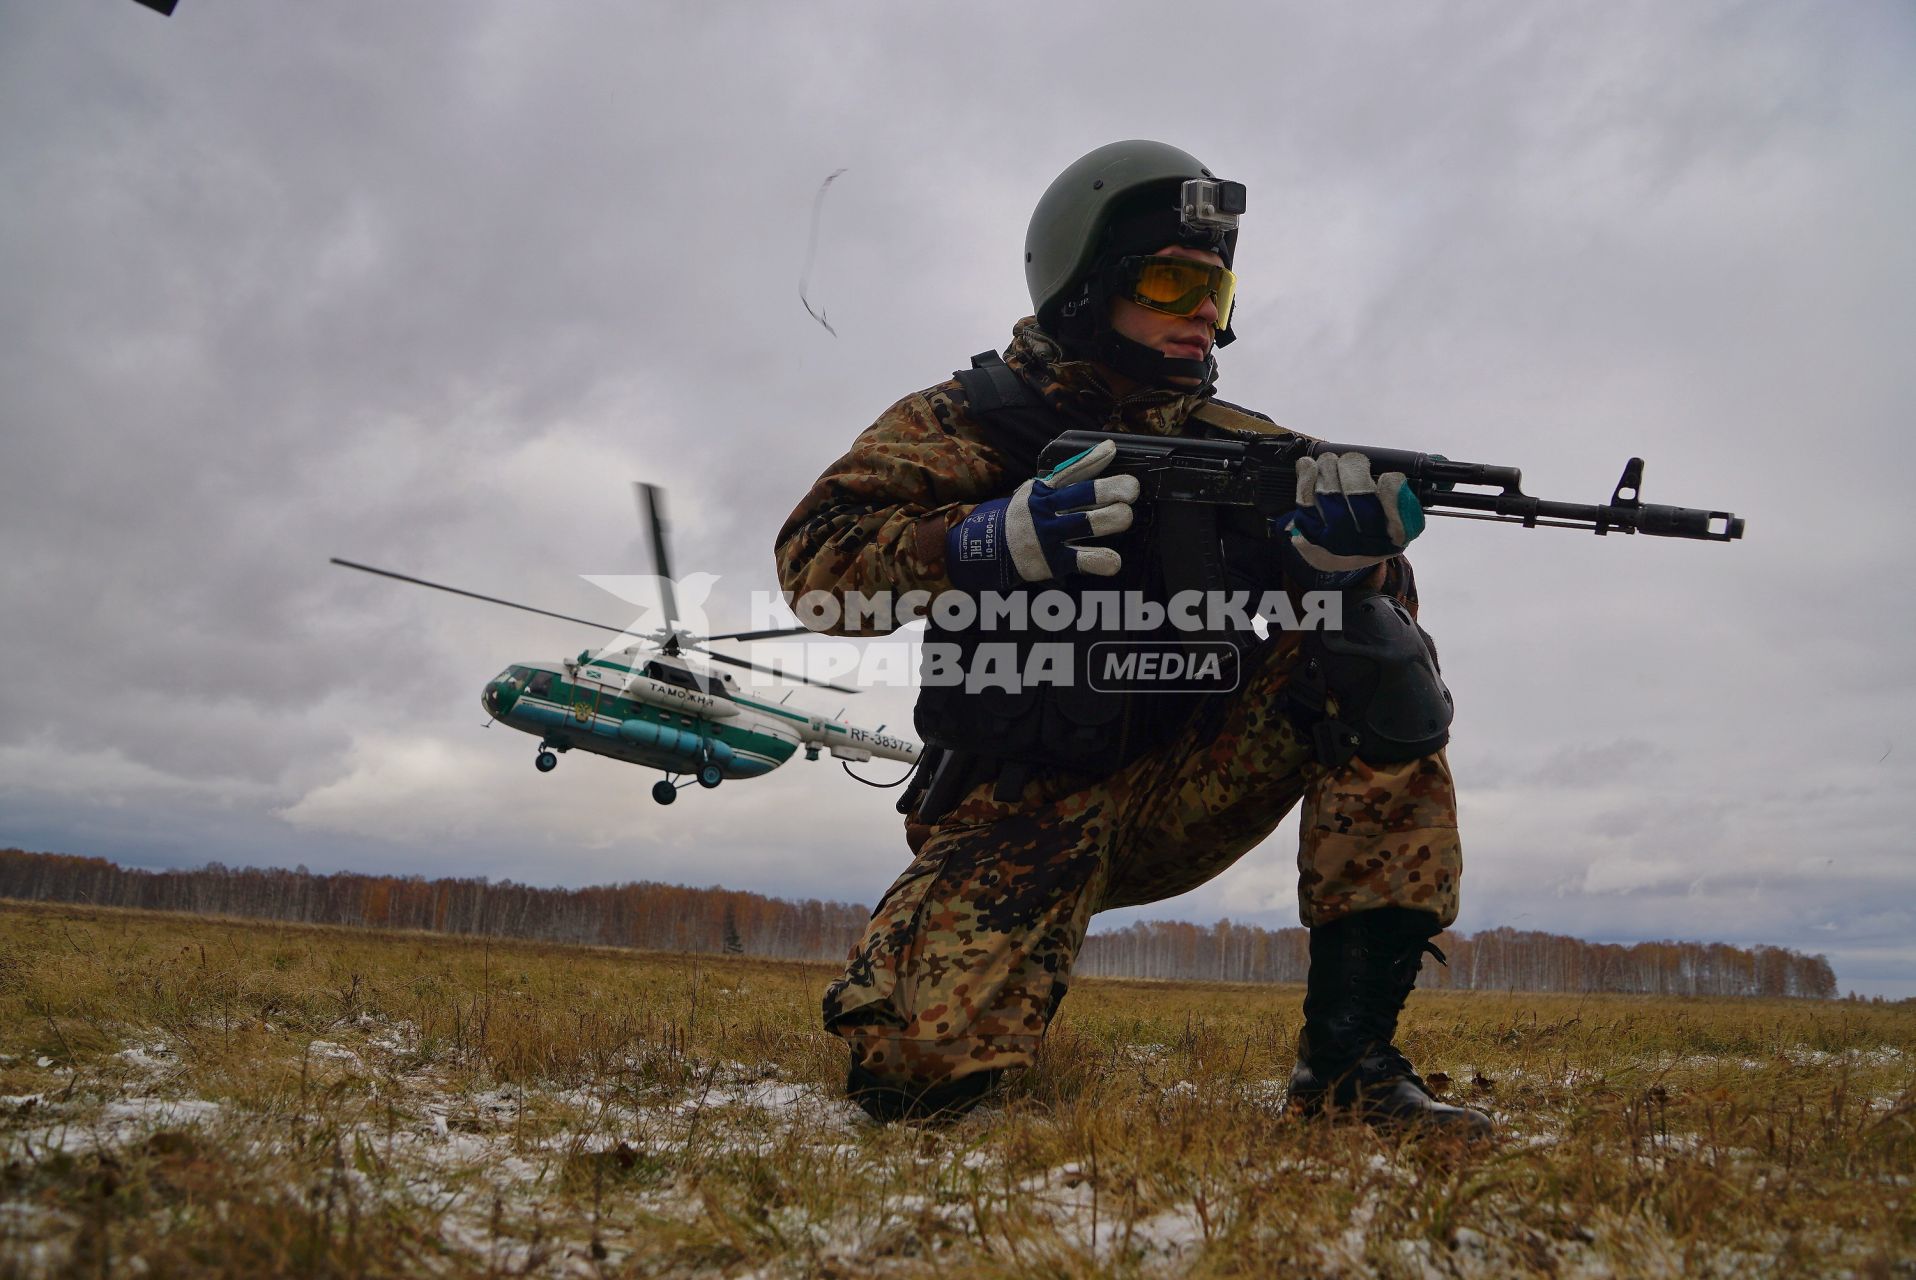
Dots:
pixel 154 1058
pixel 395 1037
pixel 119 1122
pixel 1470 1243
pixel 1882 1055
pixel 22 1217
pixel 159 1111
pixel 1169 1231
pixel 1273 1092
pixel 1417 1254
pixel 1532 1141
pixel 1346 1254
pixel 776 1100
pixel 328 1051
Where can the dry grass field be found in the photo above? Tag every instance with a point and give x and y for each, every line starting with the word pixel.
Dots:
pixel 184 1096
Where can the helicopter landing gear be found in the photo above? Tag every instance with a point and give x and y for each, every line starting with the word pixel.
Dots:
pixel 664 792
pixel 710 775
pixel 545 762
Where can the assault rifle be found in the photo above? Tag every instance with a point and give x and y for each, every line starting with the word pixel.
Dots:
pixel 1260 473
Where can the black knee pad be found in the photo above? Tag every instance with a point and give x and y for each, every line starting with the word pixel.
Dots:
pixel 1381 670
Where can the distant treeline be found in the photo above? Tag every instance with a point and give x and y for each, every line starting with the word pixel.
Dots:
pixel 675 918
pixel 1492 960
pixel 661 917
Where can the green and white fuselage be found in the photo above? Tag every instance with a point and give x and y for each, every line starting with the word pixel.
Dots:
pixel 658 710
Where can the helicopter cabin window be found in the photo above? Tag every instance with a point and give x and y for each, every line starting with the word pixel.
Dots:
pixel 540 686
pixel 673 675
pixel 684 679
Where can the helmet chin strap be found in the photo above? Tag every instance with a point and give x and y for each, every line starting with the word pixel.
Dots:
pixel 1148 364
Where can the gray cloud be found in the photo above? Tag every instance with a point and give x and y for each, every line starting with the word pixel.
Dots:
pixel 425 286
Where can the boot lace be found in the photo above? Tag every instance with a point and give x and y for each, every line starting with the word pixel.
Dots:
pixel 1383 989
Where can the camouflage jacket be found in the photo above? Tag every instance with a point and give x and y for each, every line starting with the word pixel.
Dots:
pixel 877 519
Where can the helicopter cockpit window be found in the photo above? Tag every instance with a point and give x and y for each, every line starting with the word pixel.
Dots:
pixel 540 685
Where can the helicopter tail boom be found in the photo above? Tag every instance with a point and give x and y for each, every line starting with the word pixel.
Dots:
pixel 849 742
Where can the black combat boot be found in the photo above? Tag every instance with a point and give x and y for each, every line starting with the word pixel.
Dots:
pixel 1362 970
pixel 888 1101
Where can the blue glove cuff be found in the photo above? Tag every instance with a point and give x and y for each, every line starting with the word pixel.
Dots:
pixel 975 554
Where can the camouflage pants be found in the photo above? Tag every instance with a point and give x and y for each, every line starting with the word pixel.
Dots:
pixel 967 955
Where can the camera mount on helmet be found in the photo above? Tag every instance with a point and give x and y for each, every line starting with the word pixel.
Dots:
pixel 1207 205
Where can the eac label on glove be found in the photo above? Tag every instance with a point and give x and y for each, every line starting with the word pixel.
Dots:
pixel 1145 666
pixel 978 539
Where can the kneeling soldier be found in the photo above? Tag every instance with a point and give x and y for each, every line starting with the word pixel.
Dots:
pixel 1047 805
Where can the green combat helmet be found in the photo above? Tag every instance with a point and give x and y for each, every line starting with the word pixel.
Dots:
pixel 1123 199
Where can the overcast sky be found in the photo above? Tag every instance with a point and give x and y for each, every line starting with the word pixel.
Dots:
pixel 428 284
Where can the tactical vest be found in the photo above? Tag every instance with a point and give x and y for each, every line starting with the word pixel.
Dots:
pixel 1076 726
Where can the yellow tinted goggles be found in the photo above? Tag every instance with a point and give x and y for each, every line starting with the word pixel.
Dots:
pixel 1179 286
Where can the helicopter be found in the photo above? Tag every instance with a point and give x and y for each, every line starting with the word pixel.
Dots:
pixel 648 704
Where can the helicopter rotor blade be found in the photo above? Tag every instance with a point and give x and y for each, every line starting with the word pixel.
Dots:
pixel 652 515
pixel 761 635
pixel 729 660
pixel 474 595
pixel 726 658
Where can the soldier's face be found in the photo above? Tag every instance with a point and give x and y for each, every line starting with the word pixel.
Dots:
pixel 1180 337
